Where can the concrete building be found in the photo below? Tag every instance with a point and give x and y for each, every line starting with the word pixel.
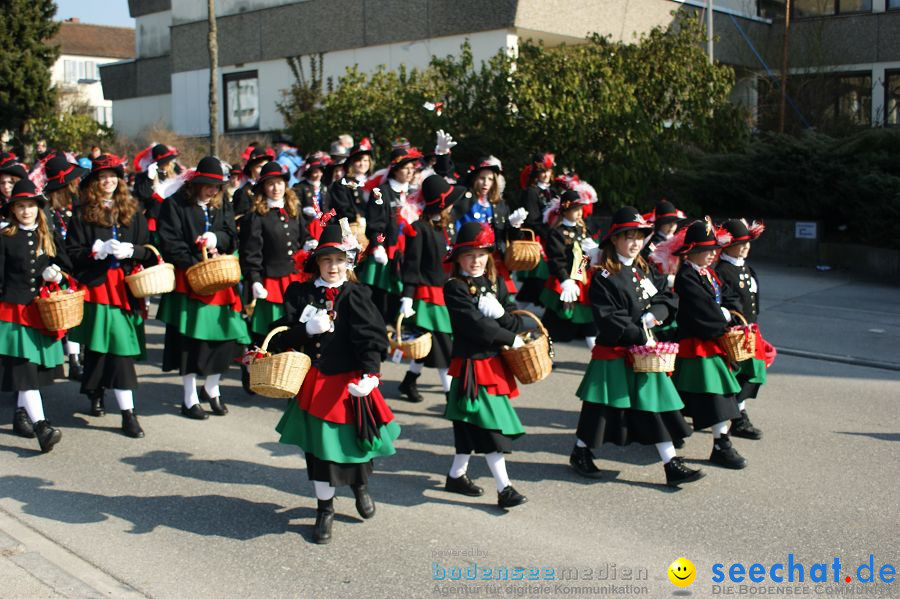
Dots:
pixel 167 82
pixel 76 74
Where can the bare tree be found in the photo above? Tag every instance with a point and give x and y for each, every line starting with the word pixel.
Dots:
pixel 213 85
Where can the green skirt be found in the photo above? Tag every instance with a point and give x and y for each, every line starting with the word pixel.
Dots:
pixel 577 313
pixel 488 412
pixel 541 271
pixel 612 383
pixel 705 375
pixel 20 341
pixel 331 441
pixel 382 276
pixel 432 317
pixel 108 329
pixel 753 370
pixel 194 319
pixel 264 314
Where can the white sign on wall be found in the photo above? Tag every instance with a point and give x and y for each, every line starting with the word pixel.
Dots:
pixel 805 230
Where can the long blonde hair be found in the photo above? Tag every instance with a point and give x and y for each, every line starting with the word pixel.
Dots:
pixel 45 238
pixel 61 199
pixel 291 203
pixel 92 210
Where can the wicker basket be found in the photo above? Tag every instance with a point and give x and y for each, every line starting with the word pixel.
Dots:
pixel 279 375
pixel 531 363
pixel 523 254
pixel 416 349
pixel 155 280
pixel 360 231
pixel 739 342
pixel 213 274
pixel 660 358
pixel 62 310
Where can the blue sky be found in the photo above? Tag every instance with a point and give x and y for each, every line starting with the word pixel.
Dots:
pixel 97 12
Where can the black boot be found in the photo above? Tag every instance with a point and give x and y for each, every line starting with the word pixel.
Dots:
pixel 216 405
pixel 98 407
pixel 742 427
pixel 245 380
pixel 47 436
pixel 130 425
pixel 582 460
pixel 22 424
pixel 463 485
pixel 509 497
pixel 75 369
pixel 409 389
pixel 364 504
pixel 724 454
pixel 677 473
pixel 195 412
pixel 324 519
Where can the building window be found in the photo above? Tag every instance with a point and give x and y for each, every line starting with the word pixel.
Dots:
pixel 241 101
pixel 893 4
pixel 853 101
pixel 819 8
pixel 892 98
pixel 70 71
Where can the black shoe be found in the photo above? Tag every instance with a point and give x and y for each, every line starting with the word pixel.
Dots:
pixel 22 424
pixel 409 389
pixel 364 504
pixel 130 425
pixel 216 405
pixel 75 369
pixel 509 497
pixel 324 519
pixel 195 412
pixel 98 408
pixel 724 454
pixel 677 473
pixel 582 460
pixel 742 427
pixel 463 485
pixel 678 443
pixel 47 436
pixel 245 380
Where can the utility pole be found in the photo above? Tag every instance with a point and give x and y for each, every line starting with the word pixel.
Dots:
pixel 709 30
pixel 213 45
pixel 784 66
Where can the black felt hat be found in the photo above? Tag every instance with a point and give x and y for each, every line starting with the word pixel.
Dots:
pixel 209 171
pixel 268 171
pixel 24 189
pixel 699 237
pixel 438 195
pixel 626 218
pixel 60 172
pixel 331 241
pixel 472 235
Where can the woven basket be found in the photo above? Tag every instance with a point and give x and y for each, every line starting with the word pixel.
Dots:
pixel 654 361
pixel 531 363
pixel 279 375
pixel 213 274
pixel 523 254
pixel 61 311
pixel 416 349
pixel 739 342
pixel 156 280
pixel 360 231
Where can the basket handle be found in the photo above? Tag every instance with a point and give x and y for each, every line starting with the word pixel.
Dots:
pixel 741 316
pixel 524 230
pixel 397 327
pixel 535 318
pixel 649 333
pixel 159 258
pixel 204 256
pixel 272 333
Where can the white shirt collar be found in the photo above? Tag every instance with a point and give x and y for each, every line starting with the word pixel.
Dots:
pixel 319 282
pixel 731 260
pixel 275 203
pixel 31 228
pixel 701 269
pixel 542 185
pixel 568 223
pixel 624 260
pixel 399 187
pixel 360 178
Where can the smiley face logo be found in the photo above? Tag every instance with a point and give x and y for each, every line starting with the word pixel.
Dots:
pixel 682 572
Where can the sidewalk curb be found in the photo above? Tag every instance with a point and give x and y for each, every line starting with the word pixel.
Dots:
pixel 854 361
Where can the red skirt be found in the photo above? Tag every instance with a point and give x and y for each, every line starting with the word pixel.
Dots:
pixel 277 286
pixel 226 297
pixel 431 295
pixel 699 348
pixel 27 315
pixel 491 373
pixel 326 397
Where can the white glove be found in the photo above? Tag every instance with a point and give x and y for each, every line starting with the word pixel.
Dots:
pixel 124 250
pixel 588 244
pixel 52 274
pixel 490 307
pixel 153 171
pixel 649 320
pixel 379 254
pixel 209 240
pixel 444 143
pixel 569 293
pixel 311 244
pixel 726 314
pixel 651 342
pixel 406 308
pixel 259 291
pixel 364 387
pixel 309 211
pixel 518 342
pixel 110 247
pixel 376 193
pixel 319 323
pixel 670 281
pixel 518 217
pixel 99 250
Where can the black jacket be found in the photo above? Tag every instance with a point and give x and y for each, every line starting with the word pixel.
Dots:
pixel 558 245
pixel 618 301
pixel 359 340
pixel 699 315
pixel 535 200
pixel 736 281
pixel 242 199
pixel 181 222
pixel 423 259
pixel 475 335
pixel 380 217
pixel 80 242
pixel 348 200
pixel 268 244
pixel 21 266
pixel 306 194
pixel 143 192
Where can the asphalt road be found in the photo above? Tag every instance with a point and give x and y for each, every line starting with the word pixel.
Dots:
pixel 220 509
